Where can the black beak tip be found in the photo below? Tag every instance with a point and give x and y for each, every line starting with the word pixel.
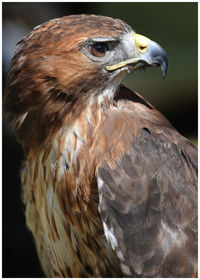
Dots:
pixel 164 63
pixel 164 69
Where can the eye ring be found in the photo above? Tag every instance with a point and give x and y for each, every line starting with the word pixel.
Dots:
pixel 98 49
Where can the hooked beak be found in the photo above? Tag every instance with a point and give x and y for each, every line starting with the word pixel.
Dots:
pixel 149 54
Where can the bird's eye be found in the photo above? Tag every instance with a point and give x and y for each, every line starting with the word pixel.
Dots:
pixel 98 49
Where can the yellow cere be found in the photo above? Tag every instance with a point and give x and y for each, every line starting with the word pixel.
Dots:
pixel 141 42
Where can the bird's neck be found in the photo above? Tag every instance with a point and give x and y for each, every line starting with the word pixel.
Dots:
pixel 88 111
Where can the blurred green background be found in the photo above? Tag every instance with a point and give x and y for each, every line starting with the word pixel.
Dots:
pixel 172 25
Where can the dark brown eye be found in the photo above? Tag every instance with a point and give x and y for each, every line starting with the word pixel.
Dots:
pixel 98 49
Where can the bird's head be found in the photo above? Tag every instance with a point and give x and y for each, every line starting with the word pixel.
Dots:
pixel 124 52
pixel 63 61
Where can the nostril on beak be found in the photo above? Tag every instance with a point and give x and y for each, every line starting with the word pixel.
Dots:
pixel 141 42
pixel 143 48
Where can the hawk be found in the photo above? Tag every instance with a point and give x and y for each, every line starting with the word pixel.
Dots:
pixel 109 186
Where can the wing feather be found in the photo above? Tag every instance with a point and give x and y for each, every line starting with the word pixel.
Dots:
pixel 148 204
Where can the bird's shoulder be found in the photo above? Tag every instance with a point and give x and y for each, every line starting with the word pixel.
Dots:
pixel 132 121
pixel 148 190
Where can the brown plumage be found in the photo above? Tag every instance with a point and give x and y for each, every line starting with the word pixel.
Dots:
pixel 110 187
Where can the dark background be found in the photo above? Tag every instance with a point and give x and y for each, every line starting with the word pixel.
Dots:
pixel 172 25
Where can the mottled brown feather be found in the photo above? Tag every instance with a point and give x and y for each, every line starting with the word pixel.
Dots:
pixel 150 194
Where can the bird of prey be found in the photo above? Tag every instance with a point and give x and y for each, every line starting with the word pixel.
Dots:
pixel 109 185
